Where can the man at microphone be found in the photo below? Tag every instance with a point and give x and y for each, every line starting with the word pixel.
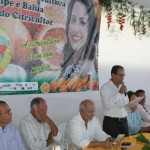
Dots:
pixel 113 95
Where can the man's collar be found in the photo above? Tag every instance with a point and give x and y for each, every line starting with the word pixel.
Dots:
pixel 111 83
pixel 4 128
pixel 31 117
pixel 80 118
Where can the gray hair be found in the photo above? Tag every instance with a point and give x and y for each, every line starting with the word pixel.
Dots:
pixel 83 104
pixel 36 101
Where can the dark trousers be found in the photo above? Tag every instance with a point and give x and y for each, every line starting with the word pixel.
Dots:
pixel 114 126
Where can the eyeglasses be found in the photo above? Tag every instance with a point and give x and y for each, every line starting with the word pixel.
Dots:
pixel 6 112
pixel 121 75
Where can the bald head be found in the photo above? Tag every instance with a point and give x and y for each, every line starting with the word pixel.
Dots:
pixel 87 110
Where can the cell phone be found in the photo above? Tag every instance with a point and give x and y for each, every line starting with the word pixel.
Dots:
pixel 126 144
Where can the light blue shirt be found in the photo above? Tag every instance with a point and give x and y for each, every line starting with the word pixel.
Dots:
pixel 134 122
pixel 10 138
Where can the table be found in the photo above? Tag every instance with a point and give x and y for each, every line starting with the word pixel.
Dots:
pixel 136 145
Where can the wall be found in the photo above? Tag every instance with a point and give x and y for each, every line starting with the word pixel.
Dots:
pixel 60 106
pixel 128 50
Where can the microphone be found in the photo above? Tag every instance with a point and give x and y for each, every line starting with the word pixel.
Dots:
pixel 125 93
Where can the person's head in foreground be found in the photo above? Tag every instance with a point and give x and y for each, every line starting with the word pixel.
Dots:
pixel 38 109
pixel 87 110
pixel 9 134
pixel 117 75
pixel 141 93
pixel 5 114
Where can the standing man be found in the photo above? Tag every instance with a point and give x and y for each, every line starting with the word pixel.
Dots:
pixel 84 129
pixel 38 131
pixel 9 135
pixel 113 94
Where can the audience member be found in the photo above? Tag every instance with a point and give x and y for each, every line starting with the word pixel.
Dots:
pixel 84 129
pixel 134 118
pixel 143 108
pixel 38 131
pixel 113 94
pixel 9 135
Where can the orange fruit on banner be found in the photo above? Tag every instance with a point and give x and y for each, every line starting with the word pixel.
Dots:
pixel 53 85
pixel 57 37
pixel 45 87
pixel 55 13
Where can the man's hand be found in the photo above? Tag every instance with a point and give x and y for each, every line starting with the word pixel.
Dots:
pixel 54 129
pixel 133 108
pixel 145 129
pixel 106 144
pixel 123 89
pixel 50 139
pixel 108 139
pixel 44 118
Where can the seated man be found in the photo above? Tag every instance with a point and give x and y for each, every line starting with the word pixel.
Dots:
pixel 84 129
pixel 9 135
pixel 37 129
pixel 134 118
pixel 143 108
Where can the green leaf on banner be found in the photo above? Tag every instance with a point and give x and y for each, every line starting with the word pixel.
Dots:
pixel 141 138
pixel 146 147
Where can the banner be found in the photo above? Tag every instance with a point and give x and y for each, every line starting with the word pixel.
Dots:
pixel 49 46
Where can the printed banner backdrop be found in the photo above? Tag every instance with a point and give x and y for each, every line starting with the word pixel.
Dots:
pixel 49 46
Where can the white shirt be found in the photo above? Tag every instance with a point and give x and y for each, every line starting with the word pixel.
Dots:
pixel 113 101
pixel 80 136
pixel 145 114
pixel 35 134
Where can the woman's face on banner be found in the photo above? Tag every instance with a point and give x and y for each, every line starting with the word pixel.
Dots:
pixel 78 27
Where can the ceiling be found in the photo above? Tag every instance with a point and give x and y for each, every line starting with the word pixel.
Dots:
pixel 145 3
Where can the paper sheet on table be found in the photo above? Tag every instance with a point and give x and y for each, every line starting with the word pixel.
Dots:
pixel 120 136
pixel 133 103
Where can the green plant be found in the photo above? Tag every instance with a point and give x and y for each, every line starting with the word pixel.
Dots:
pixel 141 138
pixel 119 11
